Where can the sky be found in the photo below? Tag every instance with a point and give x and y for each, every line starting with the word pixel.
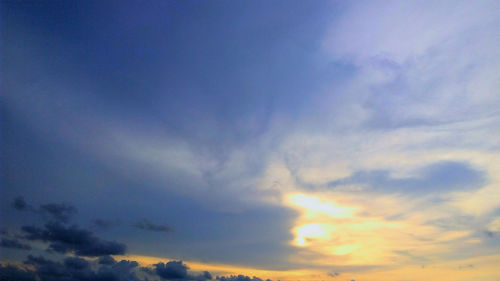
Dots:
pixel 250 140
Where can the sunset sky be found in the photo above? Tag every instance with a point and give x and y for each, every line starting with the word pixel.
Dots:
pixel 287 140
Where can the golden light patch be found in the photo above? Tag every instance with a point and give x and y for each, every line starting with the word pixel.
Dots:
pixel 333 226
pixel 318 206
pixel 227 269
pixel 345 249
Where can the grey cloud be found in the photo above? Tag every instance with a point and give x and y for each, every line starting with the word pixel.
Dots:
pixel 238 278
pixel 171 270
pixel 107 260
pixel 121 271
pixel 75 268
pixel 103 224
pixel 434 178
pixel 61 212
pixel 488 233
pixel 14 244
pixel 79 269
pixel 147 225
pixel 176 270
pixel 20 204
pixel 64 239
pixel 14 273
pixel 410 255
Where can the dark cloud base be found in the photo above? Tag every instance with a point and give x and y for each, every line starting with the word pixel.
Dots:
pixel 79 269
pixel 81 244
pixel 64 239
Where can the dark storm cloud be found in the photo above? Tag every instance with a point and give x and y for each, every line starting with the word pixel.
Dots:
pixel 65 239
pixel 14 244
pixel 147 225
pixel 435 178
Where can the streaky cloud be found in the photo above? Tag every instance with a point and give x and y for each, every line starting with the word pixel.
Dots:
pixel 437 177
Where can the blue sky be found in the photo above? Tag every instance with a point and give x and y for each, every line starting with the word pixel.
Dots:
pixel 284 139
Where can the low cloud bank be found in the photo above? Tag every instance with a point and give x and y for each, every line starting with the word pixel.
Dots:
pixel 82 255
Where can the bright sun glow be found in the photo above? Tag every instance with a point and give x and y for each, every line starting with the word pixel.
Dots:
pixel 315 206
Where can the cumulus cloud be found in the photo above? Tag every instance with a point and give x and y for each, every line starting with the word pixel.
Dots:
pixel 75 268
pixel 65 239
pixel 80 243
pixel 79 269
pixel 147 225
pixel 176 270
pixel 107 260
pixel 171 270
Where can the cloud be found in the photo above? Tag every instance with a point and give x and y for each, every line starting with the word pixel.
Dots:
pixel 75 268
pixel 411 83
pixel 333 274
pixel 14 244
pixel 107 260
pixel 434 178
pixel 103 224
pixel 147 225
pixel 176 270
pixel 122 270
pixel 61 212
pixel 20 204
pixel 65 239
pixel 79 269
pixel 171 270
pixel 238 278
pixel 14 273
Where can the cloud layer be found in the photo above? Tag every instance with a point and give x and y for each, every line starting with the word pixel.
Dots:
pixel 292 140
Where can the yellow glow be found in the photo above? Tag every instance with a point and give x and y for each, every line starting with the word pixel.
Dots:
pixel 316 205
pixel 226 269
pixel 442 271
pixel 345 249
pixel 300 241
pixel 333 226
pixel 311 231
